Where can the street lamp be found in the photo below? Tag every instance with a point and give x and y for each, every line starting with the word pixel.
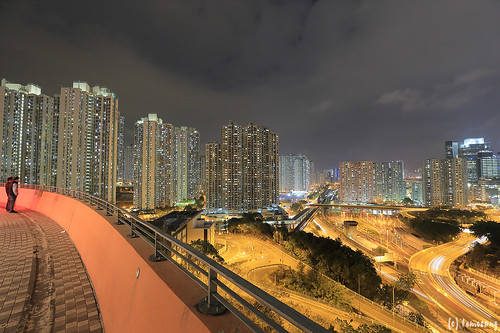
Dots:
pixel 387 242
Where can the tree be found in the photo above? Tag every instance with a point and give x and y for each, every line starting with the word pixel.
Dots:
pixel 199 202
pixel 485 256
pixel 208 249
pixel 441 231
pixel 417 318
pixel 298 206
pixel 337 261
pixel 407 202
pixel 406 281
pixel 189 208
pixel 399 291
pixel 345 327
pixel 380 251
pixel 390 292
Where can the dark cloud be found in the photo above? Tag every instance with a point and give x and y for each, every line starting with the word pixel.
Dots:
pixel 338 80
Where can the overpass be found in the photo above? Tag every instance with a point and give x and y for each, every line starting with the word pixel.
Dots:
pixel 372 207
pixel 143 279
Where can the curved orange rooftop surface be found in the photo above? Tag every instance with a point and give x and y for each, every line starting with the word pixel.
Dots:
pixel 134 294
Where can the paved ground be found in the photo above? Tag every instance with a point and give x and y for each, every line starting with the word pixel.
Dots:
pixel 43 284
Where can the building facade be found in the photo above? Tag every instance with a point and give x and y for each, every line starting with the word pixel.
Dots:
pixel 357 182
pixel 367 181
pixel 469 149
pixel 67 140
pixel 249 169
pixel 213 177
pixel 186 164
pixel 389 184
pixel 128 167
pixel 444 182
pixel 152 163
pixel 295 173
pixel 232 170
pixel 27 132
pixel 120 155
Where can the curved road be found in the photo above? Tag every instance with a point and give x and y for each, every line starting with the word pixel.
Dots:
pixel 252 253
pixel 460 310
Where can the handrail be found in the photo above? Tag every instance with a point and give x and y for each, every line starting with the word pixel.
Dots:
pixel 169 248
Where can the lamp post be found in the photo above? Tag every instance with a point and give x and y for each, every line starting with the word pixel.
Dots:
pixel 387 241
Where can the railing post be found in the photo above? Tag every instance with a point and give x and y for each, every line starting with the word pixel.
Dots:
pixel 132 233
pixel 119 216
pixel 210 305
pixel 212 287
pixel 157 256
pixel 107 209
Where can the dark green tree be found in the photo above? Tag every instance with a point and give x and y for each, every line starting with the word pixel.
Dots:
pixel 407 202
pixel 208 249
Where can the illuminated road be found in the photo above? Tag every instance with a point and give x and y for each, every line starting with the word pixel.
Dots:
pixel 456 308
pixel 251 253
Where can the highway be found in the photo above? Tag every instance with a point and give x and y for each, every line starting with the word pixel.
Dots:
pixel 456 309
pixel 250 253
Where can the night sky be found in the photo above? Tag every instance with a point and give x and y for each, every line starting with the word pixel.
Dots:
pixel 337 80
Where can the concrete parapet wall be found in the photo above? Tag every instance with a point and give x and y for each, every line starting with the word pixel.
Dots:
pixel 160 299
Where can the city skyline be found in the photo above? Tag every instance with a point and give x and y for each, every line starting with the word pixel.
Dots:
pixel 336 80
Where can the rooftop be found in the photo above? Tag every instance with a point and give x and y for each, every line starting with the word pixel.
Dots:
pixel 45 284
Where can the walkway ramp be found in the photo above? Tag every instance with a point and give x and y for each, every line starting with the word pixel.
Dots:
pixel 44 286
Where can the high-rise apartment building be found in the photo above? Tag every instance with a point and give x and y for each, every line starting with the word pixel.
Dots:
pixel 259 167
pixel 389 185
pixel 213 177
pixel 444 182
pixel 367 181
pixel 416 191
pixel 295 173
pixel 166 193
pixel 249 169
pixel 232 159
pixel 87 141
pixel 128 168
pixel 27 132
pixel 153 143
pixel 270 179
pixel 74 142
pixel 357 182
pixel 104 135
pixel 120 169
pixel 68 140
pixel 187 172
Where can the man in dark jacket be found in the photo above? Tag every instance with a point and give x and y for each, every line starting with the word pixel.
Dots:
pixel 8 188
pixel 12 194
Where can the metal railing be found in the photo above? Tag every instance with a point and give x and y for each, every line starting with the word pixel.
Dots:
pixel 206 272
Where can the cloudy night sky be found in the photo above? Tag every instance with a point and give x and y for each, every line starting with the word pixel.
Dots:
pixel 337 80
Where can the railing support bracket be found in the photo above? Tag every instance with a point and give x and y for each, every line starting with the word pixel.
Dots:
pixel 156 258
pixel 214 309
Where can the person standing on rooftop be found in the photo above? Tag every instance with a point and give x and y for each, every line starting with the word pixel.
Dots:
pixel 13 195
pixel 8 189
